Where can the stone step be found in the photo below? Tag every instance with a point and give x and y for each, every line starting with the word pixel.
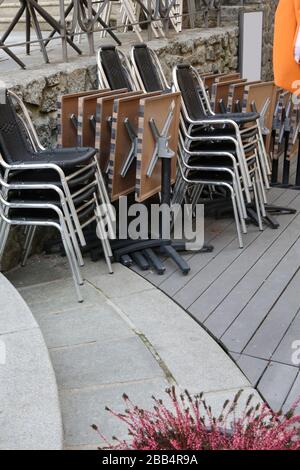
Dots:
pixel 29 395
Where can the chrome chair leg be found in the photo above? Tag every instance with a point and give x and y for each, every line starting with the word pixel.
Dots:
pixel 28 243
pixel 72 265
pixel 237 219
pixel 239 207
pixel 3 238
pixel 257 203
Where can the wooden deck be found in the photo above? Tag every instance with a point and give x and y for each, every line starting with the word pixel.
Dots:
pixel 249 299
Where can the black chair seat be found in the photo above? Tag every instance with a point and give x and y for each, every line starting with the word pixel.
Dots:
pixel 218 146
pixel 50 177
pixel 65 158
pixel 47 196
pixel 45 215
pixel 222 131
pixel 239 118
pixel 217 176
pixel 210 161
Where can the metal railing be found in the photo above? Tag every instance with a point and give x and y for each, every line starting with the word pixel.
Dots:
pixel 79 18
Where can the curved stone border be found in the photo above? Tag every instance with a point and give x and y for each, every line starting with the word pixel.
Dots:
pixel 30 416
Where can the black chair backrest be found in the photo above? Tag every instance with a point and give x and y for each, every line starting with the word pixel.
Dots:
pixel 113 68
pixel 190 93
pixel 147 68
pixel 14 145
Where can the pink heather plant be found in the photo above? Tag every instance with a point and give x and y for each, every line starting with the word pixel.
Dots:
pixel 190 425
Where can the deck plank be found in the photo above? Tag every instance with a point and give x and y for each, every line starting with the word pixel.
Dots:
pixel 234 291
pixel 227 269
pixel 252 316
pixel 293 396
pixel 277 383
pixel 252 367
pixel 249 298
pixel 285 349
pixel 276 327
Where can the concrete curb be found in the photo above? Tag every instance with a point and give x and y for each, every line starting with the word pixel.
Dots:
pixel 30 417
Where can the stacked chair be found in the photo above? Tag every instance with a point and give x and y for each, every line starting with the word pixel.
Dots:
pixel 148 75
pixel 234 140
pixel 127 126
pixel 114 69
pixel 220 127
pixel 284 141
pixel 205 157
pixel 60 188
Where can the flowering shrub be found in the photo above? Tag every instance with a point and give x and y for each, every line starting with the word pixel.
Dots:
pixel 190 424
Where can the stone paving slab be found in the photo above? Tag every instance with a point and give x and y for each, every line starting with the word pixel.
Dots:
pixel 54 297
pixel 84 407
pixel 180 345
pixel 100 363
pixel 82 324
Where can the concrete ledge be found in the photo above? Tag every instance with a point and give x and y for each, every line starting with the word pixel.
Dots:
pixel 30 416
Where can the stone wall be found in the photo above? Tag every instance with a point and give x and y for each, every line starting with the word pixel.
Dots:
pixel 210 50
pixel 230 15
pixel 213 49
pixel 267 61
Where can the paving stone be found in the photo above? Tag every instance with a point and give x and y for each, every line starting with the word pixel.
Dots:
pixel 40 269
pixel 103 362
pixel 57 296
pixel 93 348
pixel 181 343
pixel 217 399
pixel 121 284
pixel 83 325
pixel 276 383
pixel 82 408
